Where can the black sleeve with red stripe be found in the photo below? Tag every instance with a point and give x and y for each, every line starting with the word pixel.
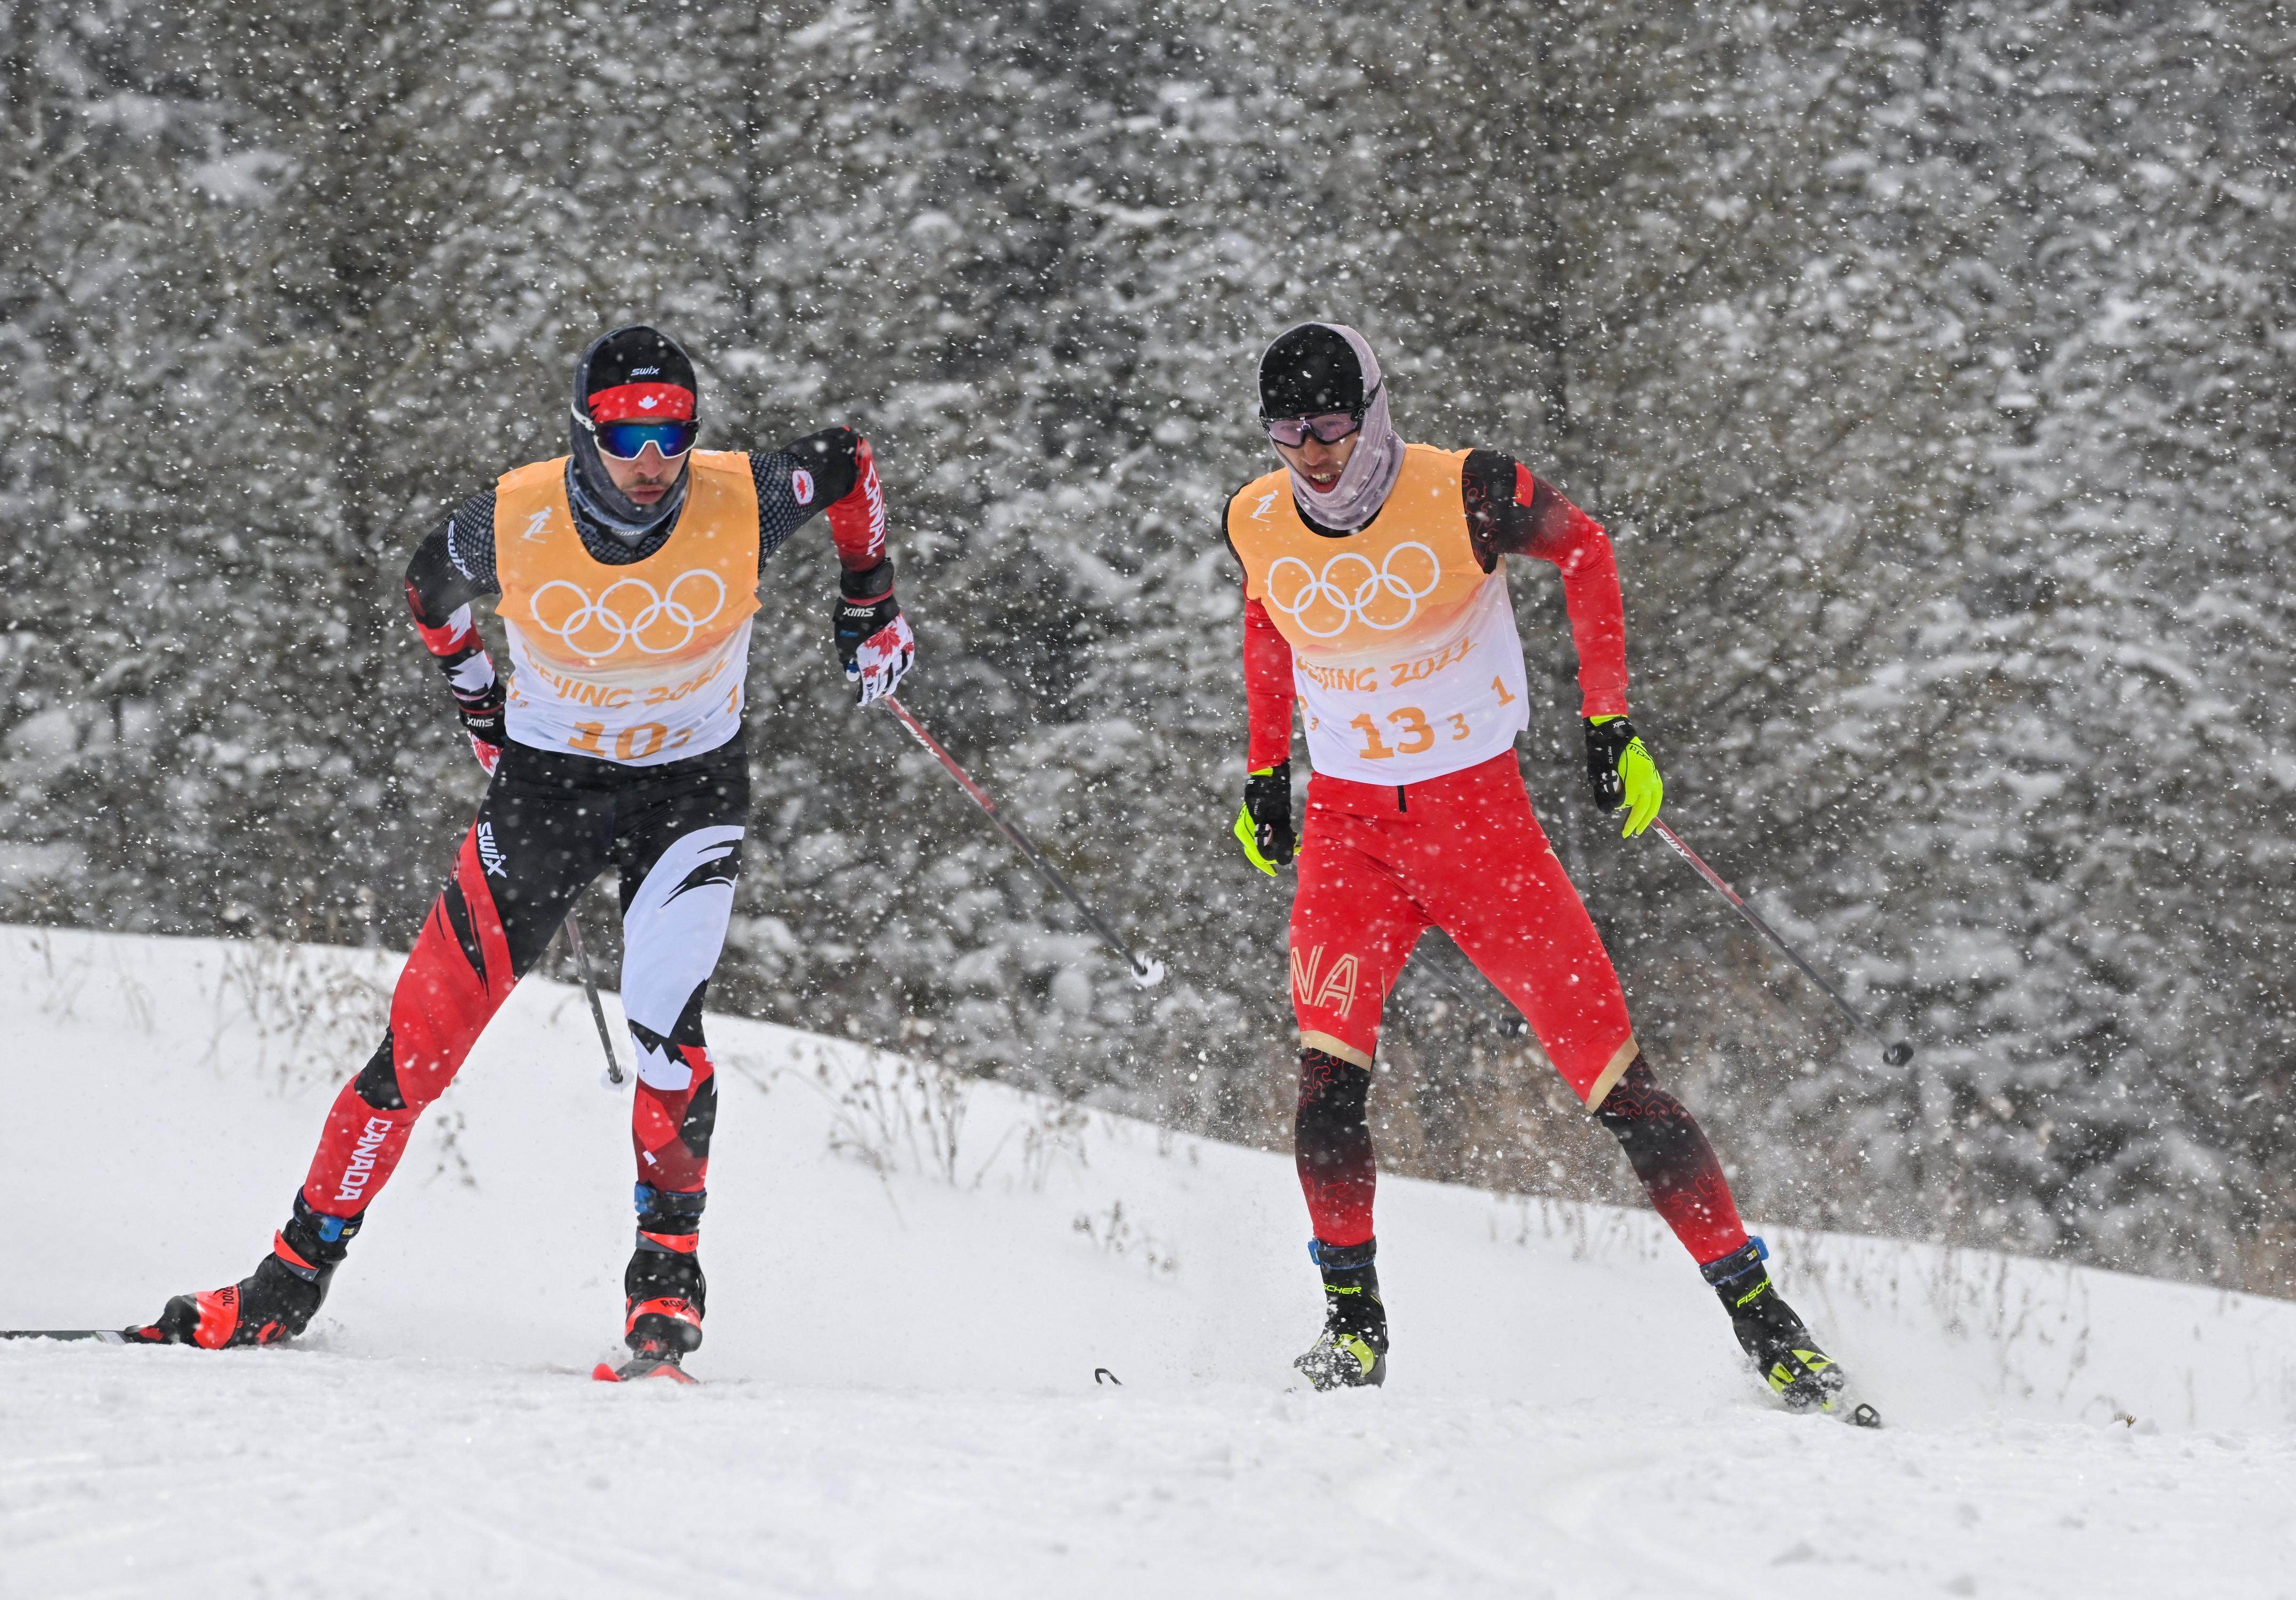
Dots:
pixel 1501 520
pixel 1511 512
pixel 455 564
pixel 833 470
pixel 453 567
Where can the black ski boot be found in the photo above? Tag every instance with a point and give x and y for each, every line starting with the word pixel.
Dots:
pixel 663 1286
pixel 1352 1352
pixel 1778 1343
pixel 276 1302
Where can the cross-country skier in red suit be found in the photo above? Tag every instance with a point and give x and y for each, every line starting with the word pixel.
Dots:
pixel 1375 597
pixel 627 575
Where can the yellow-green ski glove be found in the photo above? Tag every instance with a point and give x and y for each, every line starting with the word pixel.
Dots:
pixel 1264 827
pixel 1622 772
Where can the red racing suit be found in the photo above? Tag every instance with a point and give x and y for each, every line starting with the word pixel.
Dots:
pixel 1398 644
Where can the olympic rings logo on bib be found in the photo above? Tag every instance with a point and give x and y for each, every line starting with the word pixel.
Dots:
pixel 1351 589
pixel 629 612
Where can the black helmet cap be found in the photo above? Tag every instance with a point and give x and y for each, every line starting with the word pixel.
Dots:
pixel 1311 369
pixel 636 353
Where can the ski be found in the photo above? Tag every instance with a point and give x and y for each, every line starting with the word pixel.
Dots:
pixel 1847 1408
pixel 97 1335
pixel 644 1366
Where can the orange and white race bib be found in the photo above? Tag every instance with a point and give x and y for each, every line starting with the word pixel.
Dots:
pixel 638 664
pixel 1404 653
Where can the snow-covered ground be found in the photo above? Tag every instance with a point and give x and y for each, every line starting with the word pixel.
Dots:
pixel 912 1283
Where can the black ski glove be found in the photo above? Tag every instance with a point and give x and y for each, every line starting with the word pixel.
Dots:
pixel 1264 827
pixel 481 716
pixel 1621 772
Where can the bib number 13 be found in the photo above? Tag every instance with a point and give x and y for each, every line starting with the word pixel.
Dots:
pixel 1413 734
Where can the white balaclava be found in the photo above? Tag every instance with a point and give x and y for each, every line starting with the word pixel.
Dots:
pixel 1320 367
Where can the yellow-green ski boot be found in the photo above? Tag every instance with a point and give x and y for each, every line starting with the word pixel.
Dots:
pixel 1804 1377
pixel 1352 1352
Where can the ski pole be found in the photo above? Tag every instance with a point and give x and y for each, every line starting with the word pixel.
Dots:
pixel 1897 1055
pixel 597 1011
pixel 1146 972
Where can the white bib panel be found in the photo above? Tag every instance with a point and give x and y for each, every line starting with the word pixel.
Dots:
pixel 1436 706
pixel 638 718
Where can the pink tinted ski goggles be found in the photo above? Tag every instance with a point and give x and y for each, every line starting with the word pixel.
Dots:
pixel 1329 427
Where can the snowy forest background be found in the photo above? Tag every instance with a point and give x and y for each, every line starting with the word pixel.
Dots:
pixel 1931 364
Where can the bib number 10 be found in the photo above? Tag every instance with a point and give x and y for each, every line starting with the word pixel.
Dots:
pixel 641 741
pixel 1412 733
pixel 633 743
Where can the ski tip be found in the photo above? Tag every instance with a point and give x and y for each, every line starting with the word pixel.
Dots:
pixel 1851 1407
pixel 642 1366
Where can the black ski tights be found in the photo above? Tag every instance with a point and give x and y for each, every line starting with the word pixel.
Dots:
pixel 1663 1142
pixel 1669 1154
pixel 1331 1139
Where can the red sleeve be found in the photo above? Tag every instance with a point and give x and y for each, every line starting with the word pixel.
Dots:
pixel 452 637
pixel 857 520
pixel 1581 552
pixel 1267 688
pixel 461 654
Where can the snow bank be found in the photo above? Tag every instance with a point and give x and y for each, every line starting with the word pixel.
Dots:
pixel 913 1281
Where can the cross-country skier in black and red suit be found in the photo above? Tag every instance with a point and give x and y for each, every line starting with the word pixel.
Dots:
pixel 627 575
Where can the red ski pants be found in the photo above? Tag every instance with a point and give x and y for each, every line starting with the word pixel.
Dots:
pixel 1378 865
pixel 1378 868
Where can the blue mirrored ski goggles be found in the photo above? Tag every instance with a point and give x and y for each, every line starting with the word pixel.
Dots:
pixel 626 441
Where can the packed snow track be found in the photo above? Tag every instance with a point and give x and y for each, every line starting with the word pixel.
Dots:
pixel 912 1283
